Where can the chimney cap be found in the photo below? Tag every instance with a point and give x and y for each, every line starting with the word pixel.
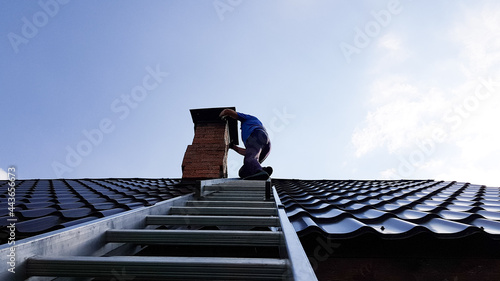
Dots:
pixel 211 115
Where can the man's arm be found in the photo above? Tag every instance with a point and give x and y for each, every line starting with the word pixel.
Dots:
pixel 229 112
pixel 240 150
pixel 233 114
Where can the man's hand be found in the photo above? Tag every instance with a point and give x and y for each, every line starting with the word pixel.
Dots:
pixel 229 112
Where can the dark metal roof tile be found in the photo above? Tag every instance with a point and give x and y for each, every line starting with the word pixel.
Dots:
pixel 344 226
pixel 355 206
pixel 491 202
pixel 72 205
pixel 370 214
pixel 112 211
pixel 104 206
pixel 463 202
pixel 76 213
pixel 79 221
pixel 65 200
pixel 134 205
pixel 36 213
pixel 390 208
pixel 425 208
pixel 491 208
pixel 301 223
pixel 458 208
pixel 441 226
pixel 97 200
pixel 39 225
pixel 40 199
pixel 490 215
pixel 411 215
pixel 453 215
pixel 7 220
pixel 329 213
pixel 491 227
pixel 31 206
pixel 294 210
pixel 392 226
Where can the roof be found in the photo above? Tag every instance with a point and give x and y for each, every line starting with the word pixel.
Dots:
pixel 46 205
pixel 392 209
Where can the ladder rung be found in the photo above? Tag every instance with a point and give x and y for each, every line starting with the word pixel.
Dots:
pixel 238 194
pixel 206 203
pixel 241 193
pixel 195 237
pixel 177 268
pixel 240 184
pixel 237 211
pixel 235 188
pixel 212 220
pixel 233 198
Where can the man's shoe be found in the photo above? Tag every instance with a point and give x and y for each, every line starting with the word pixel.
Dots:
pixel 262 175
pixel 268 169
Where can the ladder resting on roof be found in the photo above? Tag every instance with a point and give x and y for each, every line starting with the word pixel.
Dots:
pixel 228 231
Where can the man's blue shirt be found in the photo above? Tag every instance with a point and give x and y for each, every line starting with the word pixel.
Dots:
pixel 248 124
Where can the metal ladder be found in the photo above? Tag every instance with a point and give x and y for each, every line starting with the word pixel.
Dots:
pixel 226 232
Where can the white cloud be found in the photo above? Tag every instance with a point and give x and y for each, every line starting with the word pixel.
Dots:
pixel 392 88
pixel 478 33
pixel 3 175
pixel 389 174
pixel 390 41
pixel 404 109
pixel 402 114
pixel 470 173
pixel 392 50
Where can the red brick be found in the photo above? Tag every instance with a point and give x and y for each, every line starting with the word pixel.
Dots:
pixel 206 157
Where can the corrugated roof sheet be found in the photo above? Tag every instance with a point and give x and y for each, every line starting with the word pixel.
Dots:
pixel 45 205
pixel 390 208
pixel 333 208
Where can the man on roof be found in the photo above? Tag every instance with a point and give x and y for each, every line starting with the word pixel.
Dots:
pixel 257 146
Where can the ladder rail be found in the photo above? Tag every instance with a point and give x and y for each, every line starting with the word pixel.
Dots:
pixel 83 239
pixel 300 267
pixel 223 203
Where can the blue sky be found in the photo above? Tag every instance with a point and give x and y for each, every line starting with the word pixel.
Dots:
pixel 348 89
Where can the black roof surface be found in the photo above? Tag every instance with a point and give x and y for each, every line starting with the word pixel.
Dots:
pixel 392 209
pixel 46 205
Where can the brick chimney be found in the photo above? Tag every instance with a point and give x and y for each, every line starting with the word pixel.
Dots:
pixel 206 157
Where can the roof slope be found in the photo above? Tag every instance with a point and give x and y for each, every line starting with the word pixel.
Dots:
pixel 389 208
pixel 333 208
pixel 46 205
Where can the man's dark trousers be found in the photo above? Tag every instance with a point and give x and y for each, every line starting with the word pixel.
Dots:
pixel 257 147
